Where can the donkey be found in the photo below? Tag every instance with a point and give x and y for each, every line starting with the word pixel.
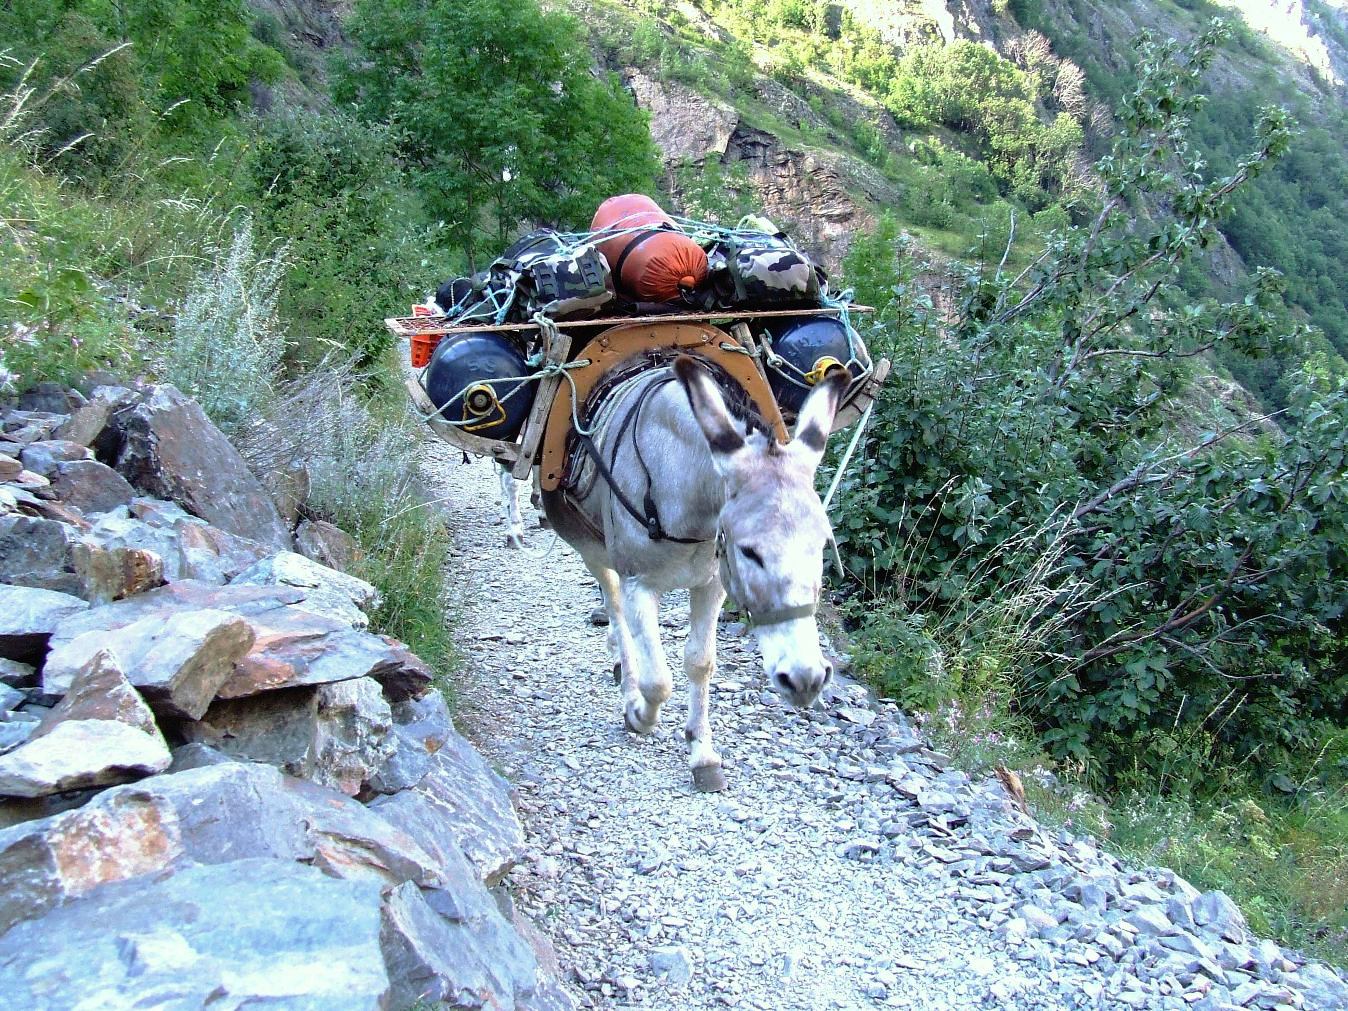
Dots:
pixel 724 507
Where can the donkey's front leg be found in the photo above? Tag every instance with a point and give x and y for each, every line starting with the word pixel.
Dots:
pixel 646 680
pixel 699 663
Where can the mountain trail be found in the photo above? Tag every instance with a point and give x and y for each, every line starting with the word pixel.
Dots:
pixel 845 867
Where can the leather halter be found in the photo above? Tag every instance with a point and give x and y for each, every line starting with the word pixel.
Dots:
pixel 731 581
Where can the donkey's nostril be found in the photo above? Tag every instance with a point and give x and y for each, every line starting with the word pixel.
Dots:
pixel 784 681
pixel 828 672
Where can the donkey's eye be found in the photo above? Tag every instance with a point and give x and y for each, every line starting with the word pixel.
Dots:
pixel 752 555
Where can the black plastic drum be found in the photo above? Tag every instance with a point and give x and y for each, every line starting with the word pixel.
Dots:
pixel 810 345
pixel 475 379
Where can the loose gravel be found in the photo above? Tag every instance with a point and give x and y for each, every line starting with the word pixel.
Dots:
pixel 847 866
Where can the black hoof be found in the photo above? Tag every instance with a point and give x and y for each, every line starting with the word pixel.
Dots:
pixel 617 674
pixel 709 779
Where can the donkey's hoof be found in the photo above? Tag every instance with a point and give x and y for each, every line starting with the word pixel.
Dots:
pixel 708 779
pixel 617 674
pixel 599 616
pixel 514 542
pixel 544 523
pixel 632 714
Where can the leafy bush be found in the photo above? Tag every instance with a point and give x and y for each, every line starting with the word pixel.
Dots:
pixel 1194 609
pixel 227 342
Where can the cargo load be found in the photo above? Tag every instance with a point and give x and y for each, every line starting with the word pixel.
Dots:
pixel 512 357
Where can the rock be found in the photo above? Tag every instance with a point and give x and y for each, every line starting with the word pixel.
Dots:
pixel 686 125
pixel 455 956
pixel 289 491
pixel 673 963
pixel 288 937
pixel 170 449
pixel 100 691
pixel 89 486
pixel 461 801
pixel 1150 921
pixel 76 754
pixel 12 734
pixel 420 728
pixel 333 734
pixel 10 468
pixel 327 544
pixel 17 675
pixel 1321 986
pixel 198 756
pixel 40 553
pixel 50 398
pixel 112 574
pixel 44 457
pixel 190 547
pixel 326 591
pixel 89 421
pixel 31 426
pixel 29 616
pixel 178 662
pixel 1215 912
pixel 10 699
pixel 295 648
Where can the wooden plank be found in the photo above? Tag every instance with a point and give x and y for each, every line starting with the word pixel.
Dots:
pixel 863 398
pixel 406 326
pixel 535 424
pixel 505 452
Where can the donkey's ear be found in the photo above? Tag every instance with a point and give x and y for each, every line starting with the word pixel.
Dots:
pixel 816 415
pixel 723 435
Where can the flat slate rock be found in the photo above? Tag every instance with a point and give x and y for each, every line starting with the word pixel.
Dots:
pixel 29 616
pixel 170 449
pixel 337 735
pixel 326 591
pixel 178 661
pixel 77 754
pixel 100 691
pixel 256 933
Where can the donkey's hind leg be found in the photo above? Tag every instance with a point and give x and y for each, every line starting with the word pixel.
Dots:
pixel 510 508
pixel 646 680
pixel 699 663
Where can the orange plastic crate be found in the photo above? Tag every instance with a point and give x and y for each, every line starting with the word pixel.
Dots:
pixel 423 344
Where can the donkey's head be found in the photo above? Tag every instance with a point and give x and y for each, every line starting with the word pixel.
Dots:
pixel 773 526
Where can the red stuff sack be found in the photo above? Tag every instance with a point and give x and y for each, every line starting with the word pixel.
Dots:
pixel 651 260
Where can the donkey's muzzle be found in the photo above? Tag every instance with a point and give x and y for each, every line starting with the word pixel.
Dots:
pixel 802 685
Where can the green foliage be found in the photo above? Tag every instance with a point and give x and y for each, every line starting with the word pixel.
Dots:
pixel 227 342
pixel 502 123
pixel 1193 607
pixel 331 186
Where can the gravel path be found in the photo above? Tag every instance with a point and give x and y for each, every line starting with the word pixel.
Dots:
pixel 845 867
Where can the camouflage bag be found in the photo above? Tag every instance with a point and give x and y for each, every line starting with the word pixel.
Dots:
pixel 769 270
pixel 555 280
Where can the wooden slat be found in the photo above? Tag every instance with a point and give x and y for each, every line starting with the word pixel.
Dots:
pixel 505 452
pixel 532 433
pixel 406 326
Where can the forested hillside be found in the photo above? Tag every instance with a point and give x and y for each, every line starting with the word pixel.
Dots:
pixel 1070 540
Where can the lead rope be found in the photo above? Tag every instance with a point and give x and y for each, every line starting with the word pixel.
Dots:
pixel 837 479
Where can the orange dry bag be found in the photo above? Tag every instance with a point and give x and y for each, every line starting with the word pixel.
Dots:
pixel 654 262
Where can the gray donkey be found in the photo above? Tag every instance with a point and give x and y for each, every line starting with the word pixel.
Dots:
pixel 681 493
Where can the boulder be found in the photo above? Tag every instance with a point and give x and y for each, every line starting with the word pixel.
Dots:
pixel 420 729
pixel 296 648
pixel 50 398
pixel 28 617
pixel 190 547
pixel 164 601
pixel 88 422
pixel 14 733
pixel 326 591
pixel 170 449
pixel 327 544
pixel 44 457
pixel 108 574
pixel 10 468
pixel 100 691
pixel 10 699
pixel 257 933
pixel 461 801
pixel 333 734
pixel 31 426
pixel 178 661
pixel 17 675
pixel 77 754
pixel 89 486
pixel 469 959
pixel 40 553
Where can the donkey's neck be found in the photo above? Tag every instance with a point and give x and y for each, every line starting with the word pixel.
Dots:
pixel 687 491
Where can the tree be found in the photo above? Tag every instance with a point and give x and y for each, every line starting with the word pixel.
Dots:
pixel 500 119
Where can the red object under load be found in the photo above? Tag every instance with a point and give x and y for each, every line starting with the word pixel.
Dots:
pixel 655 262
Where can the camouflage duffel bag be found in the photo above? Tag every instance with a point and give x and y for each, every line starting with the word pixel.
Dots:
pixel 769 270
pixel 558 281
